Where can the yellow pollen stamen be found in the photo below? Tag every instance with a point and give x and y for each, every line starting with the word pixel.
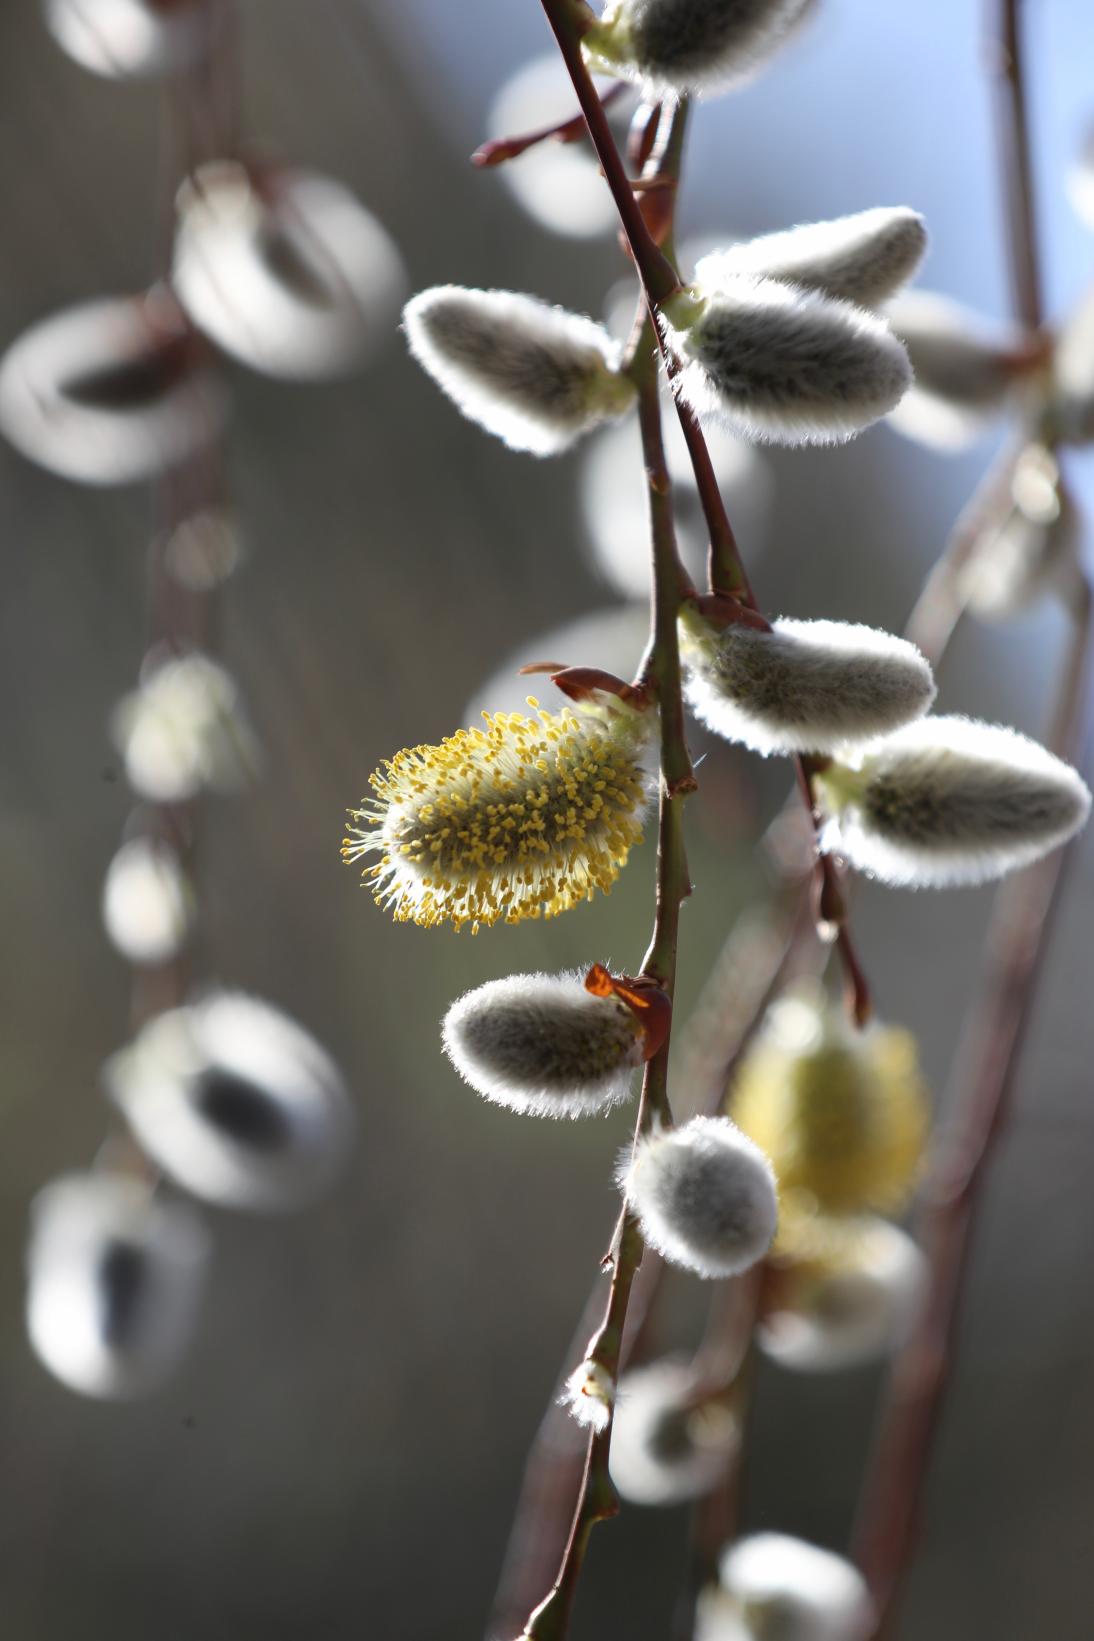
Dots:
pixel 522 819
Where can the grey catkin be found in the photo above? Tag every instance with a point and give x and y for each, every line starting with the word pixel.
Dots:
pixel 542 1044
pixel 788 366
pixel 864 258
pixel 534 375
pixel 805 686
pixel 694 45
pixel 704 1195
pixel 949 801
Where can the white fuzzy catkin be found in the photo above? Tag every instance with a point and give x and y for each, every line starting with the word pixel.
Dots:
pixel 805 686
pixel 664 1451
pixel 704 1195
pixel 235 1102
pixel 857 1307
pixel 964 368
pixel 535 376
pixel 114 1277
pixel 950 801
pixel 787 366
pixel 864 258
pixel 543 1045
pixel 692 45
pixel 796 1591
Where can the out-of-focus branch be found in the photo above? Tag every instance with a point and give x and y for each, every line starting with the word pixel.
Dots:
pixel 1004 50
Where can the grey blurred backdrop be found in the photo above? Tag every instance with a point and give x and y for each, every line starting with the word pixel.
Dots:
pixel 341 1453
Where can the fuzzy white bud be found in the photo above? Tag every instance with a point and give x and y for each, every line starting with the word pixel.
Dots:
pixel 691 45
pixel 781 1586
pixel 535 376
pixel 964 369
pixel 950 801
pixel 114 1279
pixel 589 1394
pixel 542 1044
pixel 864 258
pixel 665 1448
pixel 851 1306
pixel 235 1102
pixel 785 365
pixel 704 1195
pixel 805 686
pixel 285 269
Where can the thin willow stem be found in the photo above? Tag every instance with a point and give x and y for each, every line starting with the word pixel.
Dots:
pixel 1004 49
pixel 499 150
pixel 891 1500
pixel 727 571
pixel 597 1499
pixel 758 954
pixel 981 1084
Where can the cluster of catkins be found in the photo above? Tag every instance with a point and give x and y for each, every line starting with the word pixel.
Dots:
pixel 797 337
pixel 220 1095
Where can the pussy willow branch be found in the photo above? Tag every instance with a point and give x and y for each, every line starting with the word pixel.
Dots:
pixel 597 1500
pixel 196 123
pixel 723 1366
pixel 758 953
pixel 891 1501
pixel 502 149
pixel 982 1080
pixel 728 575
pixel 1004 48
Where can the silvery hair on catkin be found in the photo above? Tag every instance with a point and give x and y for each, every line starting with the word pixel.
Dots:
pixel 950 801
pixel 536 376
pixel 788 366
pixel 864 258
pixel 704 1195
pixel 805 686
pixel 695 45
pixel 542 1044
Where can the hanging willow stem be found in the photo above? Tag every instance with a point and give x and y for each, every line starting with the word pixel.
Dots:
pixel 891 1502
pixel 597 1498
pixel 982 1080
pixel 728 575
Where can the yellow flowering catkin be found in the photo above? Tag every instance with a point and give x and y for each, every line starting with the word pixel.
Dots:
pixel 843 1118
pixel 524 818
